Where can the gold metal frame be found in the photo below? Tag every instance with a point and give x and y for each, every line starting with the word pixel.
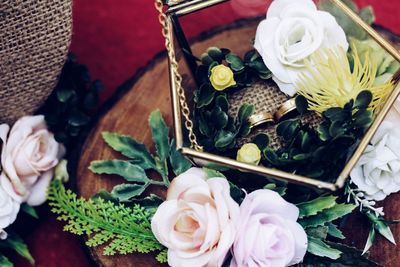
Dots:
pixel 198 156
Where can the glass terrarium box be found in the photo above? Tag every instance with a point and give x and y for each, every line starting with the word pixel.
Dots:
pixel 293 90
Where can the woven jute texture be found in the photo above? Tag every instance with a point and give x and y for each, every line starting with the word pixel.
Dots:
pixel 34 41
pixel 265 96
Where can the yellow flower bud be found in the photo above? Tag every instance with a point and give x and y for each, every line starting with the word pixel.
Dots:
pixel 222 77
pixel 249 153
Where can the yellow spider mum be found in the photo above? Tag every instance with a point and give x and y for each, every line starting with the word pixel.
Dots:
pixel 329 82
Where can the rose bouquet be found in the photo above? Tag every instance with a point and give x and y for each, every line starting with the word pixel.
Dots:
pixel 329 83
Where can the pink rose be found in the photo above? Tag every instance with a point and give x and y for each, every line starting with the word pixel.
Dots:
pixel 28 157
pixel 9 209
pixel 197 222
pixel 268 234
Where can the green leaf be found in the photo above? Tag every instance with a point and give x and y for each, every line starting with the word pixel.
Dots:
pixel 370 240
pixel 210 173
pixel 125 192
pixel 335 114
pixel 78 119
pixel 261 140
pixel 178 162
pixel 131 172
pixel 205 95
pixel 29 210
pixel 363 99
pixel 235 62
pixel 281 190
pixel 5 262
pixel 319 232
pixel 245 111
pixel 334 231
pixel 215 53
pixel 14 242
pixel 315 206
pixel 130 148
pixel 327 215
pixel 219 118
pixel 288 129
pixel 64 94
pixel 381 226
pixel 336 129
pixel 160 133
pixel 206 59
pixel 367 15
pixel 320 248
pixel 363 118
pixel 224 139
pixel 222 102
pixel 301 104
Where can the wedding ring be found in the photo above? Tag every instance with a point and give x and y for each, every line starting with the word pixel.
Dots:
pixel 260 118
pixel 286 108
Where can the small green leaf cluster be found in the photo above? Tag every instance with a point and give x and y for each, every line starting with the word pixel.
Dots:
pixel 141 160
pixel 67 110
pixel 316 217
pixel 120 229
pixel 16 244
pixel 319 153
pixel 216 129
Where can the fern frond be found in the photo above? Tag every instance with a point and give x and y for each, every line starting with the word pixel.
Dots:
pixel 123 229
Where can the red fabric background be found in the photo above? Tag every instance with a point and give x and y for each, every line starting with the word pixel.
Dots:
pixel 115 38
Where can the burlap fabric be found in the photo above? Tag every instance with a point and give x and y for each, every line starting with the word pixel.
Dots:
pixel 34 40
pixel 265 96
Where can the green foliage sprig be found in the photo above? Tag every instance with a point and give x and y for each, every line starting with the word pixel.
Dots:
pixel 67 110
pixel 141 160
pixel 216 129
pixel 320 153
pixel 121 229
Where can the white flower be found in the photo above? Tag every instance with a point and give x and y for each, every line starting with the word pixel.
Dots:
pixel 9 207
pixel 292 31
pixel 28 157
pixel 378 171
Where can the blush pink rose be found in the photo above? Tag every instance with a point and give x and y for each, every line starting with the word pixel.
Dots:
pixel 28 157
pixel 197 222
pixel 268 234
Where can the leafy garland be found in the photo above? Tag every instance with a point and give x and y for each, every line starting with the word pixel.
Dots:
pixel 123 224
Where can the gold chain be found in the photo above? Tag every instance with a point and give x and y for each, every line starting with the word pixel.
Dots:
pixel 178 78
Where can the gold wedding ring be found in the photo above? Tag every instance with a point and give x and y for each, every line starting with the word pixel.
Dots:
pixel 286 108
pixel 261 118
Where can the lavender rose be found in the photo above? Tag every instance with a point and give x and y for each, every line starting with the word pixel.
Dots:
pixel 268 234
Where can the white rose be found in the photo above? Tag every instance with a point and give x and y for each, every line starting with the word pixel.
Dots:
pixel 28 157
pixel 197 222
pixel 9 208
pixel 377 173
pixel 292 31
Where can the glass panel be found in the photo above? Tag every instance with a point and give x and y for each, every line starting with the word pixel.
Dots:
pixel 251 68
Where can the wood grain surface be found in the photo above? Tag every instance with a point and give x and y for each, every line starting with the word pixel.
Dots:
pixel 129 116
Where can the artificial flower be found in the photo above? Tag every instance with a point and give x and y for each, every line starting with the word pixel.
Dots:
pixel 377 172
pixel 28 157
pixel 197 222
pixel 249 153
pixel 268 233
pixel 292 31
pixel 222 77
pixel 9 208
pixel 329 81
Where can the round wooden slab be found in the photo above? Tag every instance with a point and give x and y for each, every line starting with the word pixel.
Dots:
pixel 129 116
